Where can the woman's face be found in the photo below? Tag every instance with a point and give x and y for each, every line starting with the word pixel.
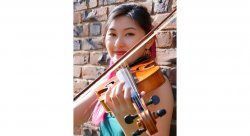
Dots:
pixel 122 34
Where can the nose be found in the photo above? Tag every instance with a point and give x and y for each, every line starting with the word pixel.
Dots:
pixel 119 42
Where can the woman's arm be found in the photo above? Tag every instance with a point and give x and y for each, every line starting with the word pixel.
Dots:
pixel 83 107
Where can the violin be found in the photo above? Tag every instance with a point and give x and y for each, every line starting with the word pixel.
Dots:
pixel 143 77
pixel 147 76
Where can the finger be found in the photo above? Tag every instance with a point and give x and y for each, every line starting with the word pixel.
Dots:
pixel 127 96
pixel 120 93
pixel 107 95
pixel 119 89
pixel 112 95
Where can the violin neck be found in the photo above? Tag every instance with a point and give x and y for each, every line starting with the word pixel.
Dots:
pixel 124 74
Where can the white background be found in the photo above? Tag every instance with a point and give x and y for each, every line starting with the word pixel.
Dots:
pixel 36 68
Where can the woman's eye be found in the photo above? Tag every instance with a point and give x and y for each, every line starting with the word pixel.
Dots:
pixel 112 34
pixel 130 34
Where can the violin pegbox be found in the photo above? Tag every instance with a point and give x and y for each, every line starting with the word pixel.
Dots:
pixel 147 119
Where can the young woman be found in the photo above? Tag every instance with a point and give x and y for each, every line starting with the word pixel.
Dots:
pixel 126 25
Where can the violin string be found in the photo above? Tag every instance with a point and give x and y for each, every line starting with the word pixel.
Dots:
pixel 125 74
pixel 135 97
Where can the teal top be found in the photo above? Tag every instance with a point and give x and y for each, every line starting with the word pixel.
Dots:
pixel 110 126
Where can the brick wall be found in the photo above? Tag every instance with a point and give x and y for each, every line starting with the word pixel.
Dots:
pixel 90 55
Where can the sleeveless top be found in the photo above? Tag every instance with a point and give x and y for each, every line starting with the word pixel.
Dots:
pixel 110 126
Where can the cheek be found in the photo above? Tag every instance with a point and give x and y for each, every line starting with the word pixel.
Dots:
pixel 130 42
pixel 109 47
pixel 133 40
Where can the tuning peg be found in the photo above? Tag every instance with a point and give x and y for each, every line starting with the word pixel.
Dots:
pixel 138 132
pixel 130 118
pixel 161 112
pixel 153 100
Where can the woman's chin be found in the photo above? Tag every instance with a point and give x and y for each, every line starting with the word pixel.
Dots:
pixel 117 57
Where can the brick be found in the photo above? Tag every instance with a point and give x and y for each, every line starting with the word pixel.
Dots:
pixel 158 18
pixel 106 2
pixel 94 57
pixel 77 71
pixel 78 29
pixel 135 0
pixel 85 30
pixel 110 8
pixel 148 5
pixel 102 14
pixel 164 40
pixel 77 45
pixel 81 57
pixel 174 35
pixel 100 2
pixel 174 4
pixel 174 43
pixel 80 5
pixel 104 59
pixel 170 72
pixel 160 6
pixel 95 29
pixel 98 14
pixel 79 85
pixel 99 58
pixel 90 72
pixel 81 30
pixel 120 1
pixel 164 56
pixel 77 18
pixel 90 81
pixel 103 31
pixel 92 3
pixel 92 44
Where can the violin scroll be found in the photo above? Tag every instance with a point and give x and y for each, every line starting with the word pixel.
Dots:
pixel 146 120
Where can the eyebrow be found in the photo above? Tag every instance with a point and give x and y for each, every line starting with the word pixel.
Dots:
pixel 124 29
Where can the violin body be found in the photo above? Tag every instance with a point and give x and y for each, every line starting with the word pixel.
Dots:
pixel 148 77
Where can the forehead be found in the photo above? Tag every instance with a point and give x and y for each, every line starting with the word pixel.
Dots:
pixel 123 22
